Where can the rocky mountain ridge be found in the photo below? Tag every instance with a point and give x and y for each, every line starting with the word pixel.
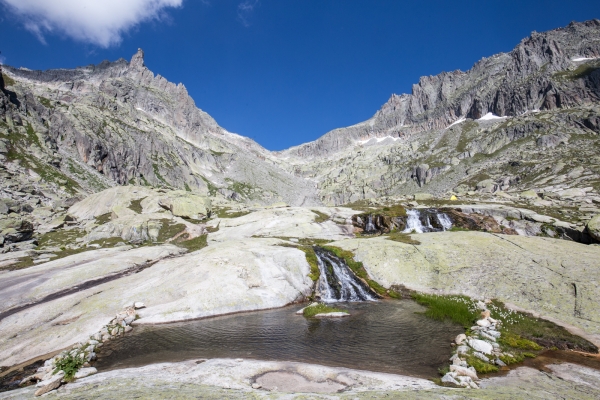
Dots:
pixel 118 123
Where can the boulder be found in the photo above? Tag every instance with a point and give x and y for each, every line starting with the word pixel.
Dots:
pixel 463 371
pixel 551 141
pixel 50 384
pixel 186 205
pixel 593 227
pixel 487 186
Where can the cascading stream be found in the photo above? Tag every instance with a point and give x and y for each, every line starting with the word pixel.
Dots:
pixel 413 222
pixel 337 282
pixel 370 227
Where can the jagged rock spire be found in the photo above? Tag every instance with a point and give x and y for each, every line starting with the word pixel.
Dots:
pixel 137 61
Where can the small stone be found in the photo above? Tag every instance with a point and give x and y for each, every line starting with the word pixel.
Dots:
pixel 448 378
pixel 128 329
pixel 481 346
pixel 462 371
pixel 462 350
pixel 50 384
pixel 460 338
pixel 256 386
pixel 129 319
pixel 494 333
pixel 483 323
pixel 485 314
pixel 83 372
pixel 499 362
pixel 139 305
pixel 481 356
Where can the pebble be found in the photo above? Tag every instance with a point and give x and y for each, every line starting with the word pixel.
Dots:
pixel 481 346
pixel 139 305
pixel 460 338
pixel 481 356
pixel 484 323
pixel 256 386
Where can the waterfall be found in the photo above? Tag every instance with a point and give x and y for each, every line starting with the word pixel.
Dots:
pixel 337 282
pixel 444 221
pixel 413 222
pixel 370 227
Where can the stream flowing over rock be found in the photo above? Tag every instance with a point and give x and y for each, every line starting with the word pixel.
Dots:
pixel 337 282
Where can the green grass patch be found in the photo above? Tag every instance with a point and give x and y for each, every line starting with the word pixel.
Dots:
pixel 459 309
pixel 512 358
pixel 481 366
pixel 524 331
pixel 136 206
pixel 103 219
pixel 168 230
pixel 311 311
pixel 70 365
pixel 321 217
pixel 517 342
pixel 311 259
pixel 401 237
pixel 194 244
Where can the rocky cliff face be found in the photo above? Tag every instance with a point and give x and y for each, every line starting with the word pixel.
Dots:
pixel 118 123
pixel 515 121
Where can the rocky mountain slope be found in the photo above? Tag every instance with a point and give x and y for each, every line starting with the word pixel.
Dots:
pixel 519 120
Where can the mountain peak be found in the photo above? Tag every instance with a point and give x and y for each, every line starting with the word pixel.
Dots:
pixel 137 61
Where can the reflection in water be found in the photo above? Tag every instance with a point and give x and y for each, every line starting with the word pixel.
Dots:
pixel 384 336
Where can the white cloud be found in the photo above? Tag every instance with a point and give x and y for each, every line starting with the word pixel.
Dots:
pixel 2 60
pixel 101 22
pixel 245 10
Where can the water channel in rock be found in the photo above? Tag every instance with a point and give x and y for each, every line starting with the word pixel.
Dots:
pixel 384 336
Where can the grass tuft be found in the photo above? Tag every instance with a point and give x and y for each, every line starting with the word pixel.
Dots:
pixel 481 366
pixel 70 365
pixel 458 309
pixel 311 311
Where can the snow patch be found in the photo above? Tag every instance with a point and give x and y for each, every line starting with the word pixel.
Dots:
pixel 458 121
pixel 584 58
pixel 489 116
pixel 378 140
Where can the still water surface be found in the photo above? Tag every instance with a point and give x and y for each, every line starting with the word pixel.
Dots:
pixel 385 336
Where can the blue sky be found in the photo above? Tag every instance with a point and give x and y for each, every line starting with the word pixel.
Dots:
pixel 282 72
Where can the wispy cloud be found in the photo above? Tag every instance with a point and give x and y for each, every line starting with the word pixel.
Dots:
pixel 93 21
pixel 245 11
pixel 2 60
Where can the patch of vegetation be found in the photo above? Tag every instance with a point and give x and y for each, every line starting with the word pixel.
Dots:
pixel 245 189
pixel 321 217
pixel 169 230
pixel 517 342
pixel 103 219
pixel 217 153
pixel 158 175
pixel 464 140
pixel 136 206
pixel 509 359
pixel 186 187
pixel 395 210
pixel 481 366
pixel 311 311
pixel 311 259
pixel 458 309
pixel 458 229
pixel 212 189
pixel 402 237
pixel 8 81
pixel 194 244
pixel 526 332
pixel 70 365
pixel 225 212
pixel 359 270
pixel 580 72
pixel 46 102
pixel 107 242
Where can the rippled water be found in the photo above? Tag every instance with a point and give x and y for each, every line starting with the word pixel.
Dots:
pixel 385 336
